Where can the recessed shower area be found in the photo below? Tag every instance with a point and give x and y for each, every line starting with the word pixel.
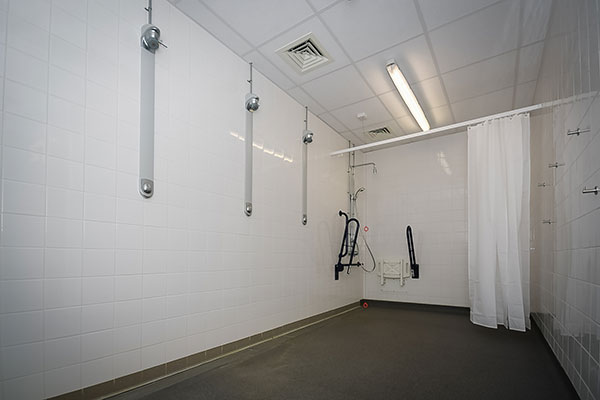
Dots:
pixel 299 199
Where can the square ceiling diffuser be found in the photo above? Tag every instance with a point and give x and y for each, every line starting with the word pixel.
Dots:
pixel 305 54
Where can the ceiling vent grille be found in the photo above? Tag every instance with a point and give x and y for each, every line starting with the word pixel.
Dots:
pixel 305 54
pixel 374 133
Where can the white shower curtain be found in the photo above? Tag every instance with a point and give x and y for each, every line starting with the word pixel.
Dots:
pixel 498 187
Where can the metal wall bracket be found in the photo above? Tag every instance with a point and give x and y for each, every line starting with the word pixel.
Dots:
pixel 556 165
pixel 595 190
pixel 577 131
pixel 547 221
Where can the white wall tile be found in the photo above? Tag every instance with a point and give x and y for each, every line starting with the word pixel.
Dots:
pixel 26 359
pixel 21 263
pixel 98 289
pixel 25 69
pixel 62 380
pixel 64 203
pixel 64 233
pixel 28 38
pixel 66 115
pixel 62 263
pixel 98 262
pixel 66 85
pixel 25 101
pixel 62 352
pixel 97 317
pixel 62 322
pixel 62 292
pixel 24 133
pixel 23 198
pixel 22 231
pixel 23 327
pixel 68 27
pixel 97 345
pixel 24 166
pixel 67 56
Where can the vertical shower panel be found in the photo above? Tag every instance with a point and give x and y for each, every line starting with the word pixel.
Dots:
pixel 147 123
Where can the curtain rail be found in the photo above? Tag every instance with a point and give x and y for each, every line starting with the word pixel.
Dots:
pixel 475 121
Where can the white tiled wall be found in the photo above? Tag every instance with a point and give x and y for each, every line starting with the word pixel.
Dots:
pixel 96 282
pixel 565 268
pixel 423 185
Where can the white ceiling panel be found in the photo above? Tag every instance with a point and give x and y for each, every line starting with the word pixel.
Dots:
pixel 394 103
pixel 303 98
pixel 439 116
pixel 524 94
pixel 480 78
pixel 375 111
pixel 321 4
pixel 530 58
pixel 536 14
pixel 436 12
pixel 429 93
pixel 408 124
pixel 365 27
pixel 463 52
pixel 485 34
pixel 259 21
pixel 339 88
pixel 333 122
pixel 413 57
pixel 269 70
pixel 491 103
pixel 314 25
pixel 352 138
pixel 209 21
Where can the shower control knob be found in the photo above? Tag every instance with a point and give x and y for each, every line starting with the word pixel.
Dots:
pixel 146 188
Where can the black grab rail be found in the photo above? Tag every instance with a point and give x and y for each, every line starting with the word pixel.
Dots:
pixel 339 267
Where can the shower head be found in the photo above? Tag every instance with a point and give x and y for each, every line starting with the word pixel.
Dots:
pixel 150 37
pixel 252 102
pixel 362 189
pixel 307 136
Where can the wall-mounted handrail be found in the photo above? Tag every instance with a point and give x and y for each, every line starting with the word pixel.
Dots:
pixel 339 267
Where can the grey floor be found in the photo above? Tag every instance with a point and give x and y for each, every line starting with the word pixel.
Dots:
pixel 383 352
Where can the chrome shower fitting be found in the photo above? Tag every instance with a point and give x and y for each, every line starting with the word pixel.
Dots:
pixel 251 99
pixel 307 135
pixel 364 164
pixel 252 102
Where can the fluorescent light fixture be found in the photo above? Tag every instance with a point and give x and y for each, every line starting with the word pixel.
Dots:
pixel 407 94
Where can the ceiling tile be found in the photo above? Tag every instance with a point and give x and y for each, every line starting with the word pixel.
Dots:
pixel 408 124
pixel 484 34
pixel 489 104
pixel 333 122
pixel 436 12
pixel 268 70
pixel 339 88
pixel 536 14
pixel 209 21
pixel 355 140
pixel 321 4
pixel 413 57
pixel 314 25
pixel 439 116
pixel 524 94
pixel 393 102
pixel 375 111
pixel 429 93
pixel 529 62
pixel 480 78
pixel 395 130
pixel 365 27
pixel 259 21
pixel 303 98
